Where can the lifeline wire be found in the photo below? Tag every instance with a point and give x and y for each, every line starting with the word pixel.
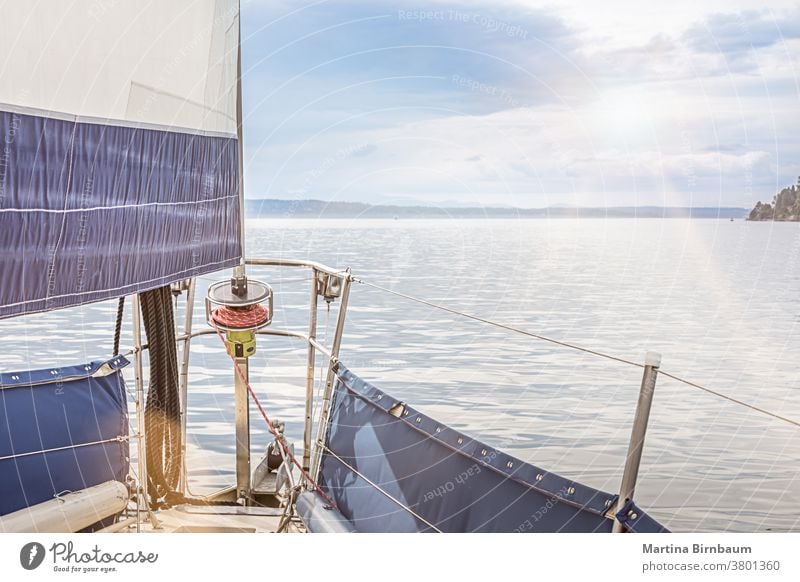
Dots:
pixel 574 347
pixel 500 325
pixel 731 399
pixel 116 439
pixel 380 490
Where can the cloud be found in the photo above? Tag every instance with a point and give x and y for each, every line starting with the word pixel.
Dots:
pixel 364 151
pixel 738 34
pixel 513 104
pixel 715 46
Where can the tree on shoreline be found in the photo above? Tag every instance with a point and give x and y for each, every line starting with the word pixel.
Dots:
pixel 785 206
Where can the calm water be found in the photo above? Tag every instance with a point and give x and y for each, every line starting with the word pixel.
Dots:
pixel 719 300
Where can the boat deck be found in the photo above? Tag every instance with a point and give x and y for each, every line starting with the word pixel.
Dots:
pixel 213 519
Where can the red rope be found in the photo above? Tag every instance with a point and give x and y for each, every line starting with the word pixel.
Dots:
pixel 271 427
pixel 247 317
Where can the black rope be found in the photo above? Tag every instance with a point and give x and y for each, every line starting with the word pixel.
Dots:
pixel 162 410
pixel 118 328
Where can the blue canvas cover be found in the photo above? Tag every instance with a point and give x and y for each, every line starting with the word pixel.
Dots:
pixel 390 468
pixel 94 209
pixel 48 422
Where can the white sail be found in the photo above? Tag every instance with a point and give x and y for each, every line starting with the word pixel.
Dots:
pixel 165 63
pixel 120 165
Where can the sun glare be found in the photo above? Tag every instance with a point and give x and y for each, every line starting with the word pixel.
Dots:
pixel 624 114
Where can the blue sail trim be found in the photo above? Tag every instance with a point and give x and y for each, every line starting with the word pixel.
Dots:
pixel 62 429
pixel 408 473
pixel 91 211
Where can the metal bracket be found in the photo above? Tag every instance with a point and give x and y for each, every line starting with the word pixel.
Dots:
pixel 329 286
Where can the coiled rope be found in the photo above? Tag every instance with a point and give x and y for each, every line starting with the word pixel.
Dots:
pixel 162 413
pixel 118 326
pixel 573 347
pixel 248 317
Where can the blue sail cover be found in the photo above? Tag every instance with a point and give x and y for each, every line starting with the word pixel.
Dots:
pixel 61 430
pixel 402 471
pixel 91 211
pixel 119 165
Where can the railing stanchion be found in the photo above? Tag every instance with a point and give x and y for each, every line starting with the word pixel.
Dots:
pixel 347 280
pixel 310 363
pixel 652 361
pixel 183 379
pixel 141 445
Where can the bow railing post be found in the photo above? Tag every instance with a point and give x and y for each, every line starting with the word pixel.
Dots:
pixel 652 361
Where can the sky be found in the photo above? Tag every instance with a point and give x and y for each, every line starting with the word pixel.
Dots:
pixel 520 103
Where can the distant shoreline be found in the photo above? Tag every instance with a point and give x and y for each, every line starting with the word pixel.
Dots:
pixel 275 208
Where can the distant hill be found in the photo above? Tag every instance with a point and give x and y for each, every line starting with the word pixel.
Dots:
pixel 273 208
pixel 785 206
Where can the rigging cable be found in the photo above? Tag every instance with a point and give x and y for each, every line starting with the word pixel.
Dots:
pixel 573 347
